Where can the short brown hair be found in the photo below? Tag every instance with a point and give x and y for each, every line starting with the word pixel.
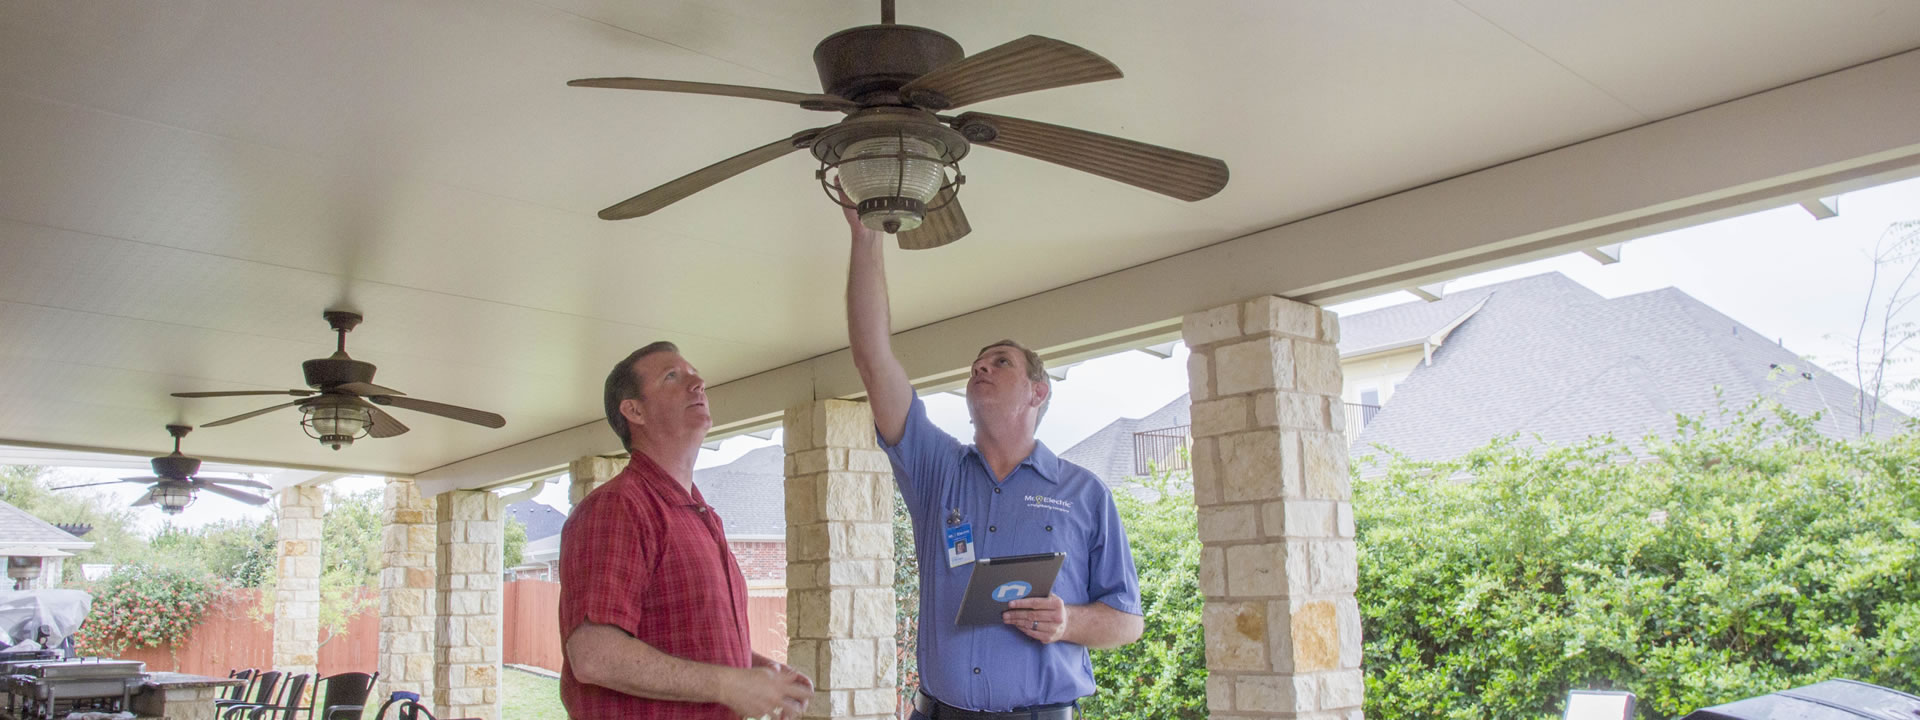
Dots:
pixel 1036 368
pixel 622 385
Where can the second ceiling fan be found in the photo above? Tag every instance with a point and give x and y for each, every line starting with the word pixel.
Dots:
pixel 897 158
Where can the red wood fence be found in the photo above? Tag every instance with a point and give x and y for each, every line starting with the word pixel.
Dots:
pixel 531 630
pixel 230 636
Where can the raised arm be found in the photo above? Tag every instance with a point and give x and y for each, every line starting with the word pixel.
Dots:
pixel 869 332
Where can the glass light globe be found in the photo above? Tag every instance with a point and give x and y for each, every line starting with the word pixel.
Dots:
pixel 882 167
pixel 336 425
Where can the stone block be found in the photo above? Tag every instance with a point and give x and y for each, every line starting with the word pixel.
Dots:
pixel 848 664
pixel 875 701
pixel 803 504
pixel 1324 465
pixel 1266 693
pixel 419 666
pixel 1343 519
pixel 1316 367
pixel 465 558
pixel 873 611
pixel 484 531
pixel 800 576
pixel 1219 691
pixel 1219 417
pixel 479 676
pixel 1205 458
pixel 1280 316
pixel 1306 636
pixel 1199 378
pixel 1211 326
pixel 847 424
pixel 847 496
pixel 483 630
pixel 1213 571
pixel 871 540
pixel 1342 689
pixel 1346 615
pixel 1260 465
pixel 1335 566
pixel 807 542
pixel 851 573
pixel 1329 327
pixel 1257 570
pixel 1236 634
pixel 420 578
pixel 796 425
pixel 1297 518
pixel 804 655
pixel 1227 523
pixel 868 461
pixel 1259 364
pixel 808 462
pixel 1291 411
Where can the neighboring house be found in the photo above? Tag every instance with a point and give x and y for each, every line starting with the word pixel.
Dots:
pixel 541 520
pixel 34 549
pixel 749 495
pixel 1541 356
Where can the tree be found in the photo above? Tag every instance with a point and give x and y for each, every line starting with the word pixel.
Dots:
pixel 114 540
pixel 513 542
pixel 241 551
pixel 1883 339
pixel 349 558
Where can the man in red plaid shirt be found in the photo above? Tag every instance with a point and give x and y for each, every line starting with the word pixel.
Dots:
pixel 653 608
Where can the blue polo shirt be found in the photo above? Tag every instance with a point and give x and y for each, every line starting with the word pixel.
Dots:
pixel 1045 505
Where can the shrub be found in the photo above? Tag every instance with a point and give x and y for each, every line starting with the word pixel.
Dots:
pixel 143 606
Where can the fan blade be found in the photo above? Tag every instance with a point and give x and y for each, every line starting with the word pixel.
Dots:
pixel 452 412
pixel 148 479
pixel 1024 65
pixel 243 416
pixel 71 487
pixel 236 482
pixel 360 388
pixel 146 499
pixel 942 226
pixel 245 497
pixel 1166 171
pixel 810 101
pixel 384 425
pixel 239 393
pixel 678 189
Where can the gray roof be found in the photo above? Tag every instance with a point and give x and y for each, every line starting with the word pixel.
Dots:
pixel 541 519
pixel 1108 452
pixel 20 528
pixel 749 493
pixel 1550 360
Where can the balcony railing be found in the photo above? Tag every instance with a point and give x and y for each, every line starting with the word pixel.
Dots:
pixel 1167 449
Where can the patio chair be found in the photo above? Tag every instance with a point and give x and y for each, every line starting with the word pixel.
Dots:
pixel 407 706
pixel 288 707
pixel 260 692
pixel 344 698
pixel 245 675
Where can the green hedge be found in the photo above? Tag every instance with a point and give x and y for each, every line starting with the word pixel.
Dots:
pixel 1749 555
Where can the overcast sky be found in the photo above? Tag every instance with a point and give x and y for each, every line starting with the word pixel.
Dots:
pixel 1780 272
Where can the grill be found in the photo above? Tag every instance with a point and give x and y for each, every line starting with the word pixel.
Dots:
pixel 52 688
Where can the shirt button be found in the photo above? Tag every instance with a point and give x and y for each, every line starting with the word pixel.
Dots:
pixel 976 671
pixel 996 491
pixel 1049 528
pixel 991 528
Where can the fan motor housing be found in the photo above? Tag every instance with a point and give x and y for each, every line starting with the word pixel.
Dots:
pixel 327 372
pixel 861 61
pixel 175 466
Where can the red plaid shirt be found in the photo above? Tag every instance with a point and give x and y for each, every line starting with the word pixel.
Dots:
pixel 642 555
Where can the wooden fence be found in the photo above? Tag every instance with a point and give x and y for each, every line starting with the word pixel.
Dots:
pixel 531 626
pixel 230 636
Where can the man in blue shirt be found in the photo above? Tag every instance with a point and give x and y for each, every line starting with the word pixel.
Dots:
pixel 1006 494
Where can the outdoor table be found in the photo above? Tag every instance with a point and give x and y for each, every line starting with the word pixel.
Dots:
pixel 180 696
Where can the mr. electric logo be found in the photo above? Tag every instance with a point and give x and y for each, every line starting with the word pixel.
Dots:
pixel 1046 503
pixel 1011 591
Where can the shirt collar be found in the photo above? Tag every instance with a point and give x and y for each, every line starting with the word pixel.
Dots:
pixel 652 475
pixel 1042 460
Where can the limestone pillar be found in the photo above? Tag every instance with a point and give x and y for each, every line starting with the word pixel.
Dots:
pixel 840 600
pixel 591 472
pixel 408 544
pixel 1277 563
pixel 296 593
pixel 467 604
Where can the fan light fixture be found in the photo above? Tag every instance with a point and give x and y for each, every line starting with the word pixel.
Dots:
pixel 893 171
pixel 333 424
pixel 172 496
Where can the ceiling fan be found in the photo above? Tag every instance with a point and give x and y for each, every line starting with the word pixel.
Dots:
pixel 896 158
pixel 336 411
pixel 176 480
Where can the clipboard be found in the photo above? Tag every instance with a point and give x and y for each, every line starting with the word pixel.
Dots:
pixel 998 581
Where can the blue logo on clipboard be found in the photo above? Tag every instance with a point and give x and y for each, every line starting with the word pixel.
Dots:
pixel 1011 591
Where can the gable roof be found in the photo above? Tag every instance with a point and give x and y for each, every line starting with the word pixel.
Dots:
pixel 1108 452
pixel 749 493
pixel 19 529
pixel 541 520
pixel 1559 366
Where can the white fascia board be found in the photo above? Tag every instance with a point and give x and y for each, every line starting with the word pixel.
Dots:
pixel 1838 132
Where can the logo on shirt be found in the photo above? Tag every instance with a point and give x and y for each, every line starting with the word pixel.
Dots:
pixel 1048 503
pixel 1011 591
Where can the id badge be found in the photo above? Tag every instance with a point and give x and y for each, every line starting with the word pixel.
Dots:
pixel 959 545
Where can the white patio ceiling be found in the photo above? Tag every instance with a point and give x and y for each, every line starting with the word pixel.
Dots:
pixel 185 186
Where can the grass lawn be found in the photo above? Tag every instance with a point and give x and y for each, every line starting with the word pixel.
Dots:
pixel 526 696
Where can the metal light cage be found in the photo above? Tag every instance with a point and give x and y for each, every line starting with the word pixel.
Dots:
pixel 833 157
pixel 335 423
pixel 172 497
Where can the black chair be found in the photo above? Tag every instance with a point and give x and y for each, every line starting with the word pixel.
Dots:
pixel 286 709
pixel 407 707
pixel 259 693
pixel 237 692
pixel 344 698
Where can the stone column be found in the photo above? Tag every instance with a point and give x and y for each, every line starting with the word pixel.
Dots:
pixel 408 544
pixel 840 600
pixel 591 472
pixel 1277 563
pixel 468 604
pixel 296 593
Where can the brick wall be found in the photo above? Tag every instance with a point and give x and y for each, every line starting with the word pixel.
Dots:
pixel 761 560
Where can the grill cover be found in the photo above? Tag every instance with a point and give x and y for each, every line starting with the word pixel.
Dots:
pixel 1830 700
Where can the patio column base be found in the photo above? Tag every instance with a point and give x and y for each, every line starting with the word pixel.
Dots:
pixel 840 599
pixel 468 604
pixel 1277 564
pixel 408 544
pixel 296 594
